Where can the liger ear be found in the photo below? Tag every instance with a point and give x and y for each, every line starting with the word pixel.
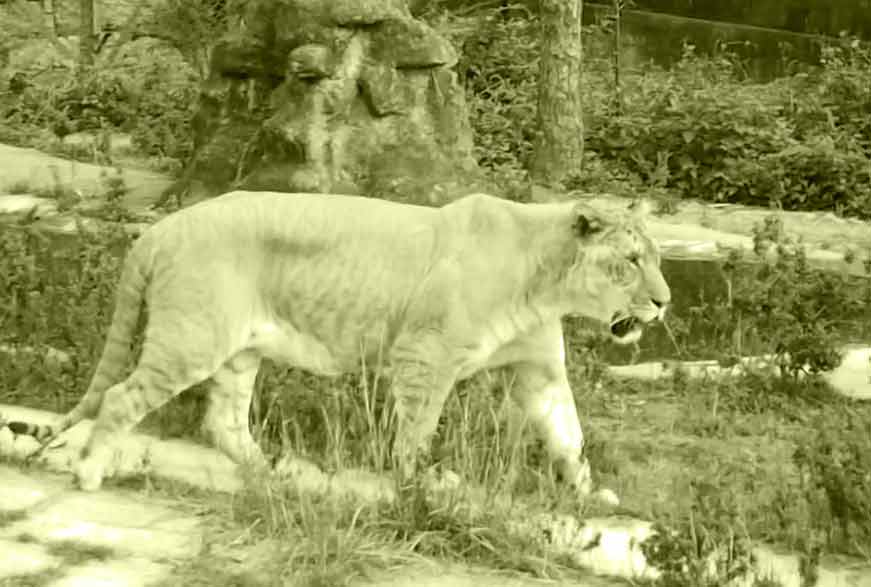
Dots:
pixel 586 225
pixel 641 208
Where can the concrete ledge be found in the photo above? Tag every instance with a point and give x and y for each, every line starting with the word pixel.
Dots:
pixel 697 232
pixel 43 172
pixel 852 378
pixel 703 231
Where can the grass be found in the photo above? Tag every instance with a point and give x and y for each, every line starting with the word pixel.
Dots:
pixel 715 461
pixel 325 540
pixel 724 463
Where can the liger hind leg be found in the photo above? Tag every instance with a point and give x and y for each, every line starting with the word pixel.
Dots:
pixel 226 420
pixel 124 405
pixel 160 375
pixel 545 397
pixel 420 387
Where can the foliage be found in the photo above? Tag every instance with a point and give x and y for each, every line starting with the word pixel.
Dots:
pixel 837 96
pixel 193 27
pixel 778 305
pixel 21 21
pixel 55 296
pixel 164 114
pixel 499 63
pixel 699 130
pixel 836 463
pixel 144 89
pixel 702 130
pixel 704 546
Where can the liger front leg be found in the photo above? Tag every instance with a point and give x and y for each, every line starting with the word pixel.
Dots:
pixel 545 397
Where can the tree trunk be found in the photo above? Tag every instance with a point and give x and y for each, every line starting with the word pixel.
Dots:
pixel 560 143
pixel 86 33
pixel 50 18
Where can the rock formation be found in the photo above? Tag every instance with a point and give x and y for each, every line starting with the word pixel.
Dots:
pixel 346 96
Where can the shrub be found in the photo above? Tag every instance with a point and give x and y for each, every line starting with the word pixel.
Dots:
pixel 163 118
pixel 692 134
pixel 55 293
pixel 704 131
pixel 835 462
pixel 700 130
pixel 146 90
pixel 500 66
pixel 703 546
pixel 779 306
pixel 816 175
pixel 841 91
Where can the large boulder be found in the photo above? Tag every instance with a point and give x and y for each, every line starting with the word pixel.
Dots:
pixel 350 96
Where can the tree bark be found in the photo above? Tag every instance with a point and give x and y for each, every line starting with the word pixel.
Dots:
pixel 86 33
pixel 50 16
pixel 560 143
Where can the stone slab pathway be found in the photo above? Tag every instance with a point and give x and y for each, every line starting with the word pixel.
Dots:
pixel 54 536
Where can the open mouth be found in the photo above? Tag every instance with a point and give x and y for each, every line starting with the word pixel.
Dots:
pixel 626 327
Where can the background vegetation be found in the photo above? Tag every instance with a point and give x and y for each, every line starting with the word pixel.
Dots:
pixel 763 457
pixel 701 129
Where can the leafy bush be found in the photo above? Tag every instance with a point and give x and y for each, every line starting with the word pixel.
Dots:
pixel 700 130
pixel 841 91
pixel 499 63
pixel 163 117
pixel 778 306
pixel 705 132
pixel 816 175
pixel 55 294
pixel 701 548
pixel 836 465
pixel 145 90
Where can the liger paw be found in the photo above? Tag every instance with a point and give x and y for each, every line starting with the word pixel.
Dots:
pixel 89 474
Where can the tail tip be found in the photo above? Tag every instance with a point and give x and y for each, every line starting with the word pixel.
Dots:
pixel 18 427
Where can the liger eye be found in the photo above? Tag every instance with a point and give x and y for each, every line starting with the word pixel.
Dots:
pixel 634 258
